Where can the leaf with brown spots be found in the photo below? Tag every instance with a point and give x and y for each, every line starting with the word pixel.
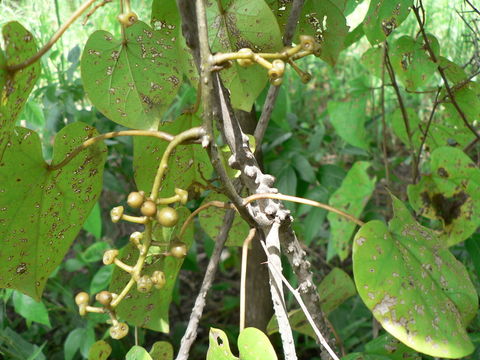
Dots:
pixel 243 24
pixel 100 350
pixel 15 87
pixel 414 287
pixel 42 210
pixel 383 17
pixel 150 310
pixel 131 83
pixel 162 350
pixel 450 193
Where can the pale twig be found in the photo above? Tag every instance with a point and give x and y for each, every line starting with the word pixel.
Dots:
pixel 297 296
pixel 243 275
pixel 191 332
pixel 53 40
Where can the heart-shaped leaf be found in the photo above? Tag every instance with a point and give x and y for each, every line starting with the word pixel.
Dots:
pixel 414 286
pixel 243 24
pixel 131 81
pixel 150 310
pixel 15 87
pixel 383 17
pixel 219 347
pixel 42 210
pixel 351 196
pixel 189 164
pixel 450 193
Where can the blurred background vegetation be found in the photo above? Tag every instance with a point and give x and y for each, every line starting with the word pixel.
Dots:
pixel 301 148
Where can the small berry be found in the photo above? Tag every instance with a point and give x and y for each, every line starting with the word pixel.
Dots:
pixel 149 208
pixel 144 284
pixel 308 42
pixel 116 214
pixel 136 238
pixel 119 330
pixel 109 256
pixel 178 249
pixel 158 279
pixel 104 298
pixel 135 199
pixel 183 195
pixel 277 70
pixel 128 19
pixel 248 61
pixel 82 298
pixel 167 217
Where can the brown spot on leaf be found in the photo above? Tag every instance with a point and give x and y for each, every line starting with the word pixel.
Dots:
pixel 445 208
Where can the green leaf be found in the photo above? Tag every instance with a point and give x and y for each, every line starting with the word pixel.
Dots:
pixel 20 45
pixel 166 18
pixel 14 343
pixel 351 197
pixel 348 118
pixel 467 98
pixel 325 20
pixel 188 164
pixel 383 17
pixel 219 347
pixel 390 347
pixel 334 289
pixel 415 288
pixel 253 344
pixel 94 252
pixel 72 343
pixel 372 59
pixel 100 350
pixel 399 128
pixel 93 224
pixel 243 24
pixel 131 83
pixel 411 63
pixel 449 193
pixel 473 247
pixel 43 209
pixel 151 310
pixel 101 279
pixel 363 356
pixel 33 114
pixel 162 350
pixel 30 309
pixel 138 353
pixel 211 220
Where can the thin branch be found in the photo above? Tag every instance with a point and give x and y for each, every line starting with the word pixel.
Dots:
pixel 425 133
pixel 295 199
pixel 243 275
pixel 272 94
pixel 53 40
pixel 95 8
pixel 302 306
pixel 473 7
pixel 403 109
pixel 158 134
pixel 272 242
pixel 384 123
pixel 191 332
pixel 444 77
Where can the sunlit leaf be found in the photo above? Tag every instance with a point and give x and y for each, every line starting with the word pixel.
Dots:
pixel 131 82
pixel 219 347
pixel 42 209
pixel 414 287
pixel 351 197
pixel 253 344
pixel 449 193
pixel 100 350
pixel 30 309
pixel 243 24
pixel 138 353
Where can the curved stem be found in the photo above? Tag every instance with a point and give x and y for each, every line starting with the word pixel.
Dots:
pixel 215 203
pixel 295 199
pixel 54 38
pixel 158 134
pixel 193 133
pixel 243 276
